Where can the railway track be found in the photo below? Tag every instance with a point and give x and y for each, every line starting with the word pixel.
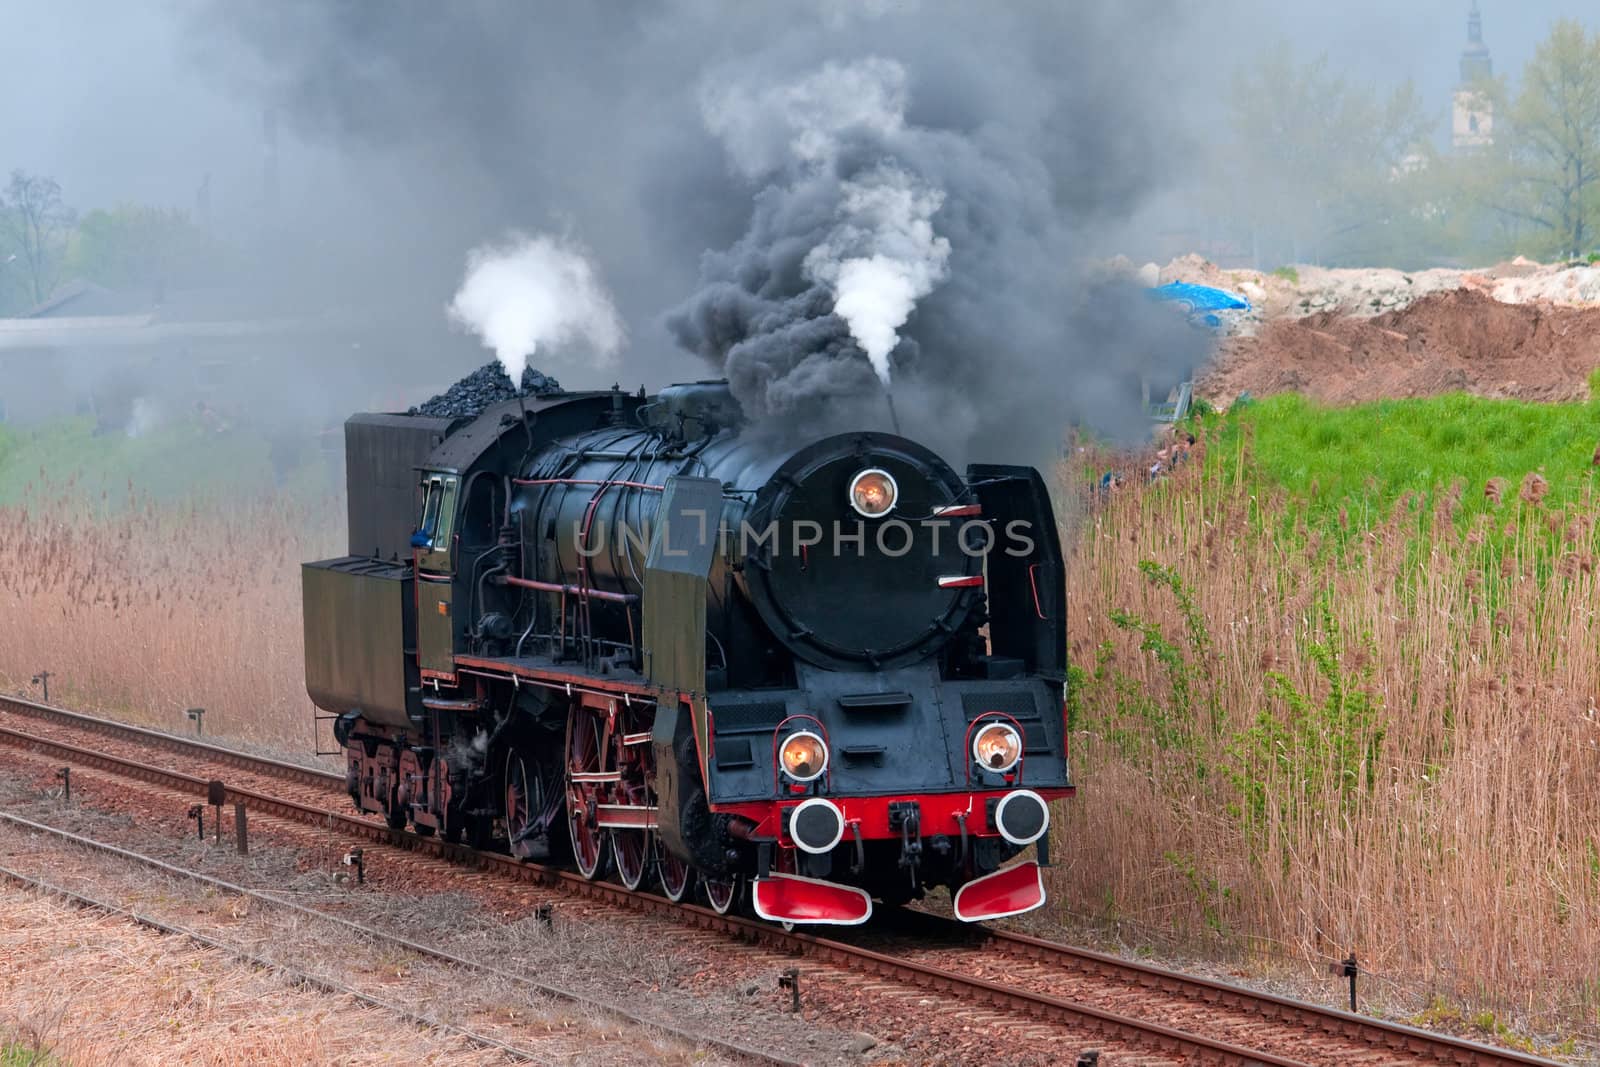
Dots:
pixel 365 930
pixel 1144 1008
pixel 1096 977
pixel 194 749
pixel 244 955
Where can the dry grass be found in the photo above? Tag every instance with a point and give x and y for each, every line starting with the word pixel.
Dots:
pixel 89 989
pixel 1378 739
pixel 143 611
pixel 595 957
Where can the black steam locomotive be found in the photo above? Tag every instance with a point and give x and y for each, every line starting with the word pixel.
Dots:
pixel 814 675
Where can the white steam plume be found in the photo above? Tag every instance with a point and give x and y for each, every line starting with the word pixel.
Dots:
pixel 533 292
pixel 881 258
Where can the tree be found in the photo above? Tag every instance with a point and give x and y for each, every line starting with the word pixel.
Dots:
pixel 133 246
pixel 1551 155
pixel 33 227
pixel 1319 168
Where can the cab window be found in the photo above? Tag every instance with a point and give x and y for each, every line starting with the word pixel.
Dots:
pixel 447 516
pixel 428 524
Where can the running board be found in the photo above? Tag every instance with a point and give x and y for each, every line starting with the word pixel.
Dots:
pixel 789 898
pixel 1010 891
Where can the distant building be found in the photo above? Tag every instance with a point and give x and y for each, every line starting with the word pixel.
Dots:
pixel 1472 118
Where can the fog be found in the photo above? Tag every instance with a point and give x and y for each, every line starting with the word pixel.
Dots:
pixel 356 153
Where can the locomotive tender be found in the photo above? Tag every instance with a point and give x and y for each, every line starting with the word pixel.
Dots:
pixel 627 631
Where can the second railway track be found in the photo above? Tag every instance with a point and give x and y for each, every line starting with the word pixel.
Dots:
pixel 1144 1009
pixel 14 710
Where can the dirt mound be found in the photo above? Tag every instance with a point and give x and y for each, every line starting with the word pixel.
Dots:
pixel 1458 341
pixel 1291 292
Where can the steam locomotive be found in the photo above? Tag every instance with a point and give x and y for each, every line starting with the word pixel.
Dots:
pixel 628 632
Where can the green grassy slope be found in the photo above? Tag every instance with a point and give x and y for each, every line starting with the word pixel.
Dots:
pixel 181 459
pixel 1362 459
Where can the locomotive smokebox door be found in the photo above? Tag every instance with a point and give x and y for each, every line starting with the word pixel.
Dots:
pixel 682 546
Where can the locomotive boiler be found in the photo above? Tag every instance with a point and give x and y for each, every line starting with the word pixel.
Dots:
pixel 635 634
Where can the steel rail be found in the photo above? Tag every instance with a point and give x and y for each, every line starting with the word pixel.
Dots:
pixel 1104 1024
pixel 416 947
pixel 318 982
pixel 1379 1034
pixel 277 768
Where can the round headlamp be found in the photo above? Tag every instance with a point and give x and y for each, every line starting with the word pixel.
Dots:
pixel 803 756
pixel 997 747
pixel 873 493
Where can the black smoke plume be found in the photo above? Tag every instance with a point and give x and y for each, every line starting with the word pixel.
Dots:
pixel 735 169
pixel 1004 337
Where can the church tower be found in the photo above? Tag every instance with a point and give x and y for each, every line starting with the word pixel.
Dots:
pixel 1472 118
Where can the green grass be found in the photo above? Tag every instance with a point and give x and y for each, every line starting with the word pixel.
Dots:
pixel 1288 274
pixel 181 459
pixel 1362 459
pixel 23 1055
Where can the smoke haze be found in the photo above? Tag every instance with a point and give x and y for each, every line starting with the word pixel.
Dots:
pixel 790 195
pixel 815 206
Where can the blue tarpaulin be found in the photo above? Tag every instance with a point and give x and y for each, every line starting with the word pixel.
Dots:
pixel 1200 301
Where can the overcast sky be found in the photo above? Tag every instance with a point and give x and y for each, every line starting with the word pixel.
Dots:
pixel 123 101
pixel 410 132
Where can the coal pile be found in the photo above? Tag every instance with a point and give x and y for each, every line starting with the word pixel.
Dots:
pixel 489 384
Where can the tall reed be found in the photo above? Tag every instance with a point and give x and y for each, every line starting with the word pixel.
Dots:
pixel 1315 736
pixel 145 609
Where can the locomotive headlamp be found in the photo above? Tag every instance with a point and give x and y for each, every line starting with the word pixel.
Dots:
pixel 997 747
pixel 803 756
pixel 873 493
